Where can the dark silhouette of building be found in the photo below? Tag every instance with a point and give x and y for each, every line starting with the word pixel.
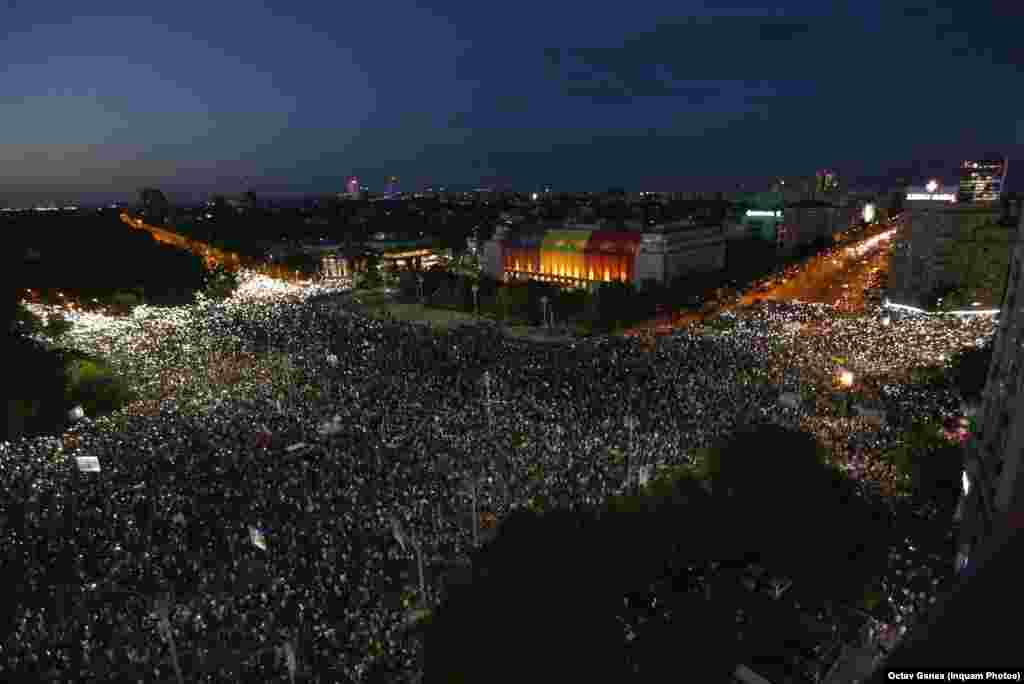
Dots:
pixel 996 452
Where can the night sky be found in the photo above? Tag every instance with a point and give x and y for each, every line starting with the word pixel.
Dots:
pixel 98 98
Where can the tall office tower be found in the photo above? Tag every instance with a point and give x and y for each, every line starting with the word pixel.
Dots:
pixel 993 482
pixel 352 188
pixel 391 186
pixel 826 182
pixel 982 181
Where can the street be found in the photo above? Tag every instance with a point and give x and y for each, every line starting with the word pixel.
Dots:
pixel 839 277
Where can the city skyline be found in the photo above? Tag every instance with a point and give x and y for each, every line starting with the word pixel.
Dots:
pixel 674 97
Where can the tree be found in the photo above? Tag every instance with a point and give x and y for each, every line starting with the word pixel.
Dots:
pixel 593 309
pixel 462 296
pixel 443 295
pixel 512 301
pixel 13 260
pixel 547 595
pixel 777 485
pixel 969 369
pixel 392 273
pixel 372 276
pixel 929 463
pixel 533 609
pixel 306 264
pixel 154 205
pixel 408 285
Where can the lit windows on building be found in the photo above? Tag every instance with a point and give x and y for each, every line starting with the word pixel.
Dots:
pixel 352 187
pixel 569 256
pixel 982 181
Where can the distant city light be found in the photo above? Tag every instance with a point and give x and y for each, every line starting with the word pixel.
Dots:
pixel 932 186
pixel 940 197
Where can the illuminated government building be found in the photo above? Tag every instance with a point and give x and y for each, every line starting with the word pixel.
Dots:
pixel 586 255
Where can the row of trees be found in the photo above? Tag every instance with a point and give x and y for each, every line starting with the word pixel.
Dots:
pixel 610 306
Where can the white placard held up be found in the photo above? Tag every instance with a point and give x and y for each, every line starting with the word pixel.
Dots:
pixel 88 464
pixel 258 540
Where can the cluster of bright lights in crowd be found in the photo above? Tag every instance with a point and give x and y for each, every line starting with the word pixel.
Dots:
pixel 252 288
pixel 137 344
pixel 848 347
pixel 868 213
pixel 867 344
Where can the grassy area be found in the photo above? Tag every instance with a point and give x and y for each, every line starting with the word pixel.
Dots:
pixel 381 305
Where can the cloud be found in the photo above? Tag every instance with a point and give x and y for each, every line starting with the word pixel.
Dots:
pixel 916 12
pixel 691 57
pixel 781 31
pixel 491 110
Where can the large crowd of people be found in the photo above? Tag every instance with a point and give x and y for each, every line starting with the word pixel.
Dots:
pixel 289 456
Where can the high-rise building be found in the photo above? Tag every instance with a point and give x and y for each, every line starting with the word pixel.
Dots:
pixel 352 188
pixel 936 247
pixel 982 181
pixel 993 482
pixel 391 186
pixel 826 182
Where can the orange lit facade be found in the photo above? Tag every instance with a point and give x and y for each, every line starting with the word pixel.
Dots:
pixel 571 256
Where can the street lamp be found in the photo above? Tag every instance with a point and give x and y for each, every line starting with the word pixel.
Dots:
pixel 544 302
pixel 476 300
pixel 419 279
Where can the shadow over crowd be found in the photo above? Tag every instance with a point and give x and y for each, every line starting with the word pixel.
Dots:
pixel 374 420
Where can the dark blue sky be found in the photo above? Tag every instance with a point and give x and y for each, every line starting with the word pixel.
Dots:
pixel 98 98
